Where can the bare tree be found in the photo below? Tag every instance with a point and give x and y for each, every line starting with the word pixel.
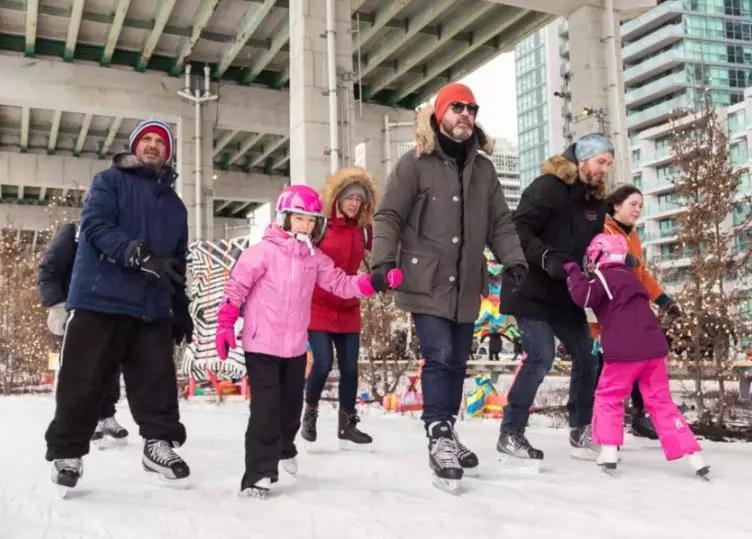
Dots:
pixel 708 337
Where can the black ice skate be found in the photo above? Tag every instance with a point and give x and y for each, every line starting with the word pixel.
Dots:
pixel 109 433
pixel 259 489
pixel 308 428
pixel 642 426
pixel 467 459
pixel 161 459
pixel 442 457
pixel 350 437
pixel 66 473
pixel 515 450
pixel 581 441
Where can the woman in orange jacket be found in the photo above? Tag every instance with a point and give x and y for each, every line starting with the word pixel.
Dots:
pixel 624 209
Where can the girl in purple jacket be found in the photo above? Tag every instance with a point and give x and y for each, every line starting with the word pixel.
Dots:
pixel 273 282
pixel 634 348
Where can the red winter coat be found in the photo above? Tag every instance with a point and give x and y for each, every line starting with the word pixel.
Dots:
pixel 345 242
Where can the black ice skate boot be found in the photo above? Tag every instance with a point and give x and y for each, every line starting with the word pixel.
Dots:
pixel 308 428
pixel 349 435
pixel 467 459
pixel 514 449
pixel 442 457
pixel 159 457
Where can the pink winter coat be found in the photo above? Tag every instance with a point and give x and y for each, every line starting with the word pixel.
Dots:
pixel 275 280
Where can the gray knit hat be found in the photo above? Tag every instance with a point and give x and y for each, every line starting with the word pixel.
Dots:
pixel 592 145
pixel 354 189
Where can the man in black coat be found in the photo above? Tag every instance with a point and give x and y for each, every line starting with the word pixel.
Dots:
pixel 558 215
pixel 53 281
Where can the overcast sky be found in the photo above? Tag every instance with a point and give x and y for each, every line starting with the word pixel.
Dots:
pixel 494 89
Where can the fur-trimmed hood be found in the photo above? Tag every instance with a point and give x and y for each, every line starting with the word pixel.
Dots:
pixel 565 168
pixel 343 178
pixel 425 134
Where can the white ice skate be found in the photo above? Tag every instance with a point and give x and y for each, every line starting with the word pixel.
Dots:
pixel 701 469
pixel 260 489
pixel 608 459
pixel 290 465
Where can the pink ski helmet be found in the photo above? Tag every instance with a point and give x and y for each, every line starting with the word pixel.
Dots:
pixel 607 249
pixel 301 199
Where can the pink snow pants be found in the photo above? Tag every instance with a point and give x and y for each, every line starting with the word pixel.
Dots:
pixel 615 385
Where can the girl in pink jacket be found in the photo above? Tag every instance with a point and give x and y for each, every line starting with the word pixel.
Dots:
pixel 273 283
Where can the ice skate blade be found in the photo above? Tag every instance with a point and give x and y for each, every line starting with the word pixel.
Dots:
pixel 347 445
pixel 159 479
pixel 609 468
pixel 108 442
pixel 310 447
pixel 290 467
pixel 61 491
pixel 450 486
pixel 704 473
pixel 527 465
pixel 255 492
pixel 471 472
pixel 583 453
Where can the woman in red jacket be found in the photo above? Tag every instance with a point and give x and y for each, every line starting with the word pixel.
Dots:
pixel 349 198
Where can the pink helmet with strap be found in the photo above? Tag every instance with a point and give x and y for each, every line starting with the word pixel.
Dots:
pixel 301 199
pixel 607 249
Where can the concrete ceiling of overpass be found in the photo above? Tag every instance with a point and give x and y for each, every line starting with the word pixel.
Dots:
pixel 407 48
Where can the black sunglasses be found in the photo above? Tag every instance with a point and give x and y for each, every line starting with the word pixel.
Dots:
pixel 458 107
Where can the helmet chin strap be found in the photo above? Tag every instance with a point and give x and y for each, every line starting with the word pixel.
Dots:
pixel 303 238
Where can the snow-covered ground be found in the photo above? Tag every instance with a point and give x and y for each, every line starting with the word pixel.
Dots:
pixel 386 493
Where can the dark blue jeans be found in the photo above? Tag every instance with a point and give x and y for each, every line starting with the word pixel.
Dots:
pixel 445 345
pixel 538 344
pixel 323 345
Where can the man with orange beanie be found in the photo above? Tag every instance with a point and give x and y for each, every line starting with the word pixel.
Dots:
pixel 443 204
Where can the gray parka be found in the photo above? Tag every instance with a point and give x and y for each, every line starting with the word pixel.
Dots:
pixel 434 223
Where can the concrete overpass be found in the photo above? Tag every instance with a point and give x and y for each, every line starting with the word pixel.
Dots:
pixel 79 74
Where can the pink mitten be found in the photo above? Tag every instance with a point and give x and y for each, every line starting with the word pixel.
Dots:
pixel 394 278
pixel 225 338
pixel 365 286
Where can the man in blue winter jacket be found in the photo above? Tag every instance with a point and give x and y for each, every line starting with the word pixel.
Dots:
pixel 128 303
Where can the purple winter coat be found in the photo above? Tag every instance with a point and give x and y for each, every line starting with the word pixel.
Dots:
pixel 630 331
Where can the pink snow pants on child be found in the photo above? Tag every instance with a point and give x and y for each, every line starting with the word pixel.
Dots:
pixel 615 385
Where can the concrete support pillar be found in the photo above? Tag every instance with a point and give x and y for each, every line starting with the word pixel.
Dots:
pixel 309 106
pixel 598 82
pixel 186 168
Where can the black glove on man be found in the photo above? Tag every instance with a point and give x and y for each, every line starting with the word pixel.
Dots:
pixel 517 274
pixel 182 323
pixel 139 256
pixel 378 277
pixel 553 263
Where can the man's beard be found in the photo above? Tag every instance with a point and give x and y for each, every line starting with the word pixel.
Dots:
pixel 152 161
pixel 461 132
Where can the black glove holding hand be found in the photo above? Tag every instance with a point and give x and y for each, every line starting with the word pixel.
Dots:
pixel 378 277
pixel 182 323
pixel 631 261
pixel 139 256
pixel 553 262
pixel 668 306
pixel 517 275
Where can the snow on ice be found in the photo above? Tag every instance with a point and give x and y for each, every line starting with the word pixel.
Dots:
pixel 385 493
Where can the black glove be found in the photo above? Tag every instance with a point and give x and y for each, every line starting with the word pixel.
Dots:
pixel 378 277
pixel 668 306
pixel 631 261
pixel 517 275
pixel 139 256
pixel 182 323
pixel 553 263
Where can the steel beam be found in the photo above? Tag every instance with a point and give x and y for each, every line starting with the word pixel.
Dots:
pixel 112 36
pixel 25 124
pixel 480 55
pixel 268 150
pixel 502 21
pixel 200 20
pixel 422 17
pixel 54 129
pixel 32 15
pixel 223 206
pixel 85 124
pixel 280 37
pixel 247 145
pixel 384 13
pixel 281 161
pixel 357 4
pixel 420 52
pixel 77 10
pixel 245 29
pixel 114 126
pixel 242 208
pixel 163 14
pixel 223 141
